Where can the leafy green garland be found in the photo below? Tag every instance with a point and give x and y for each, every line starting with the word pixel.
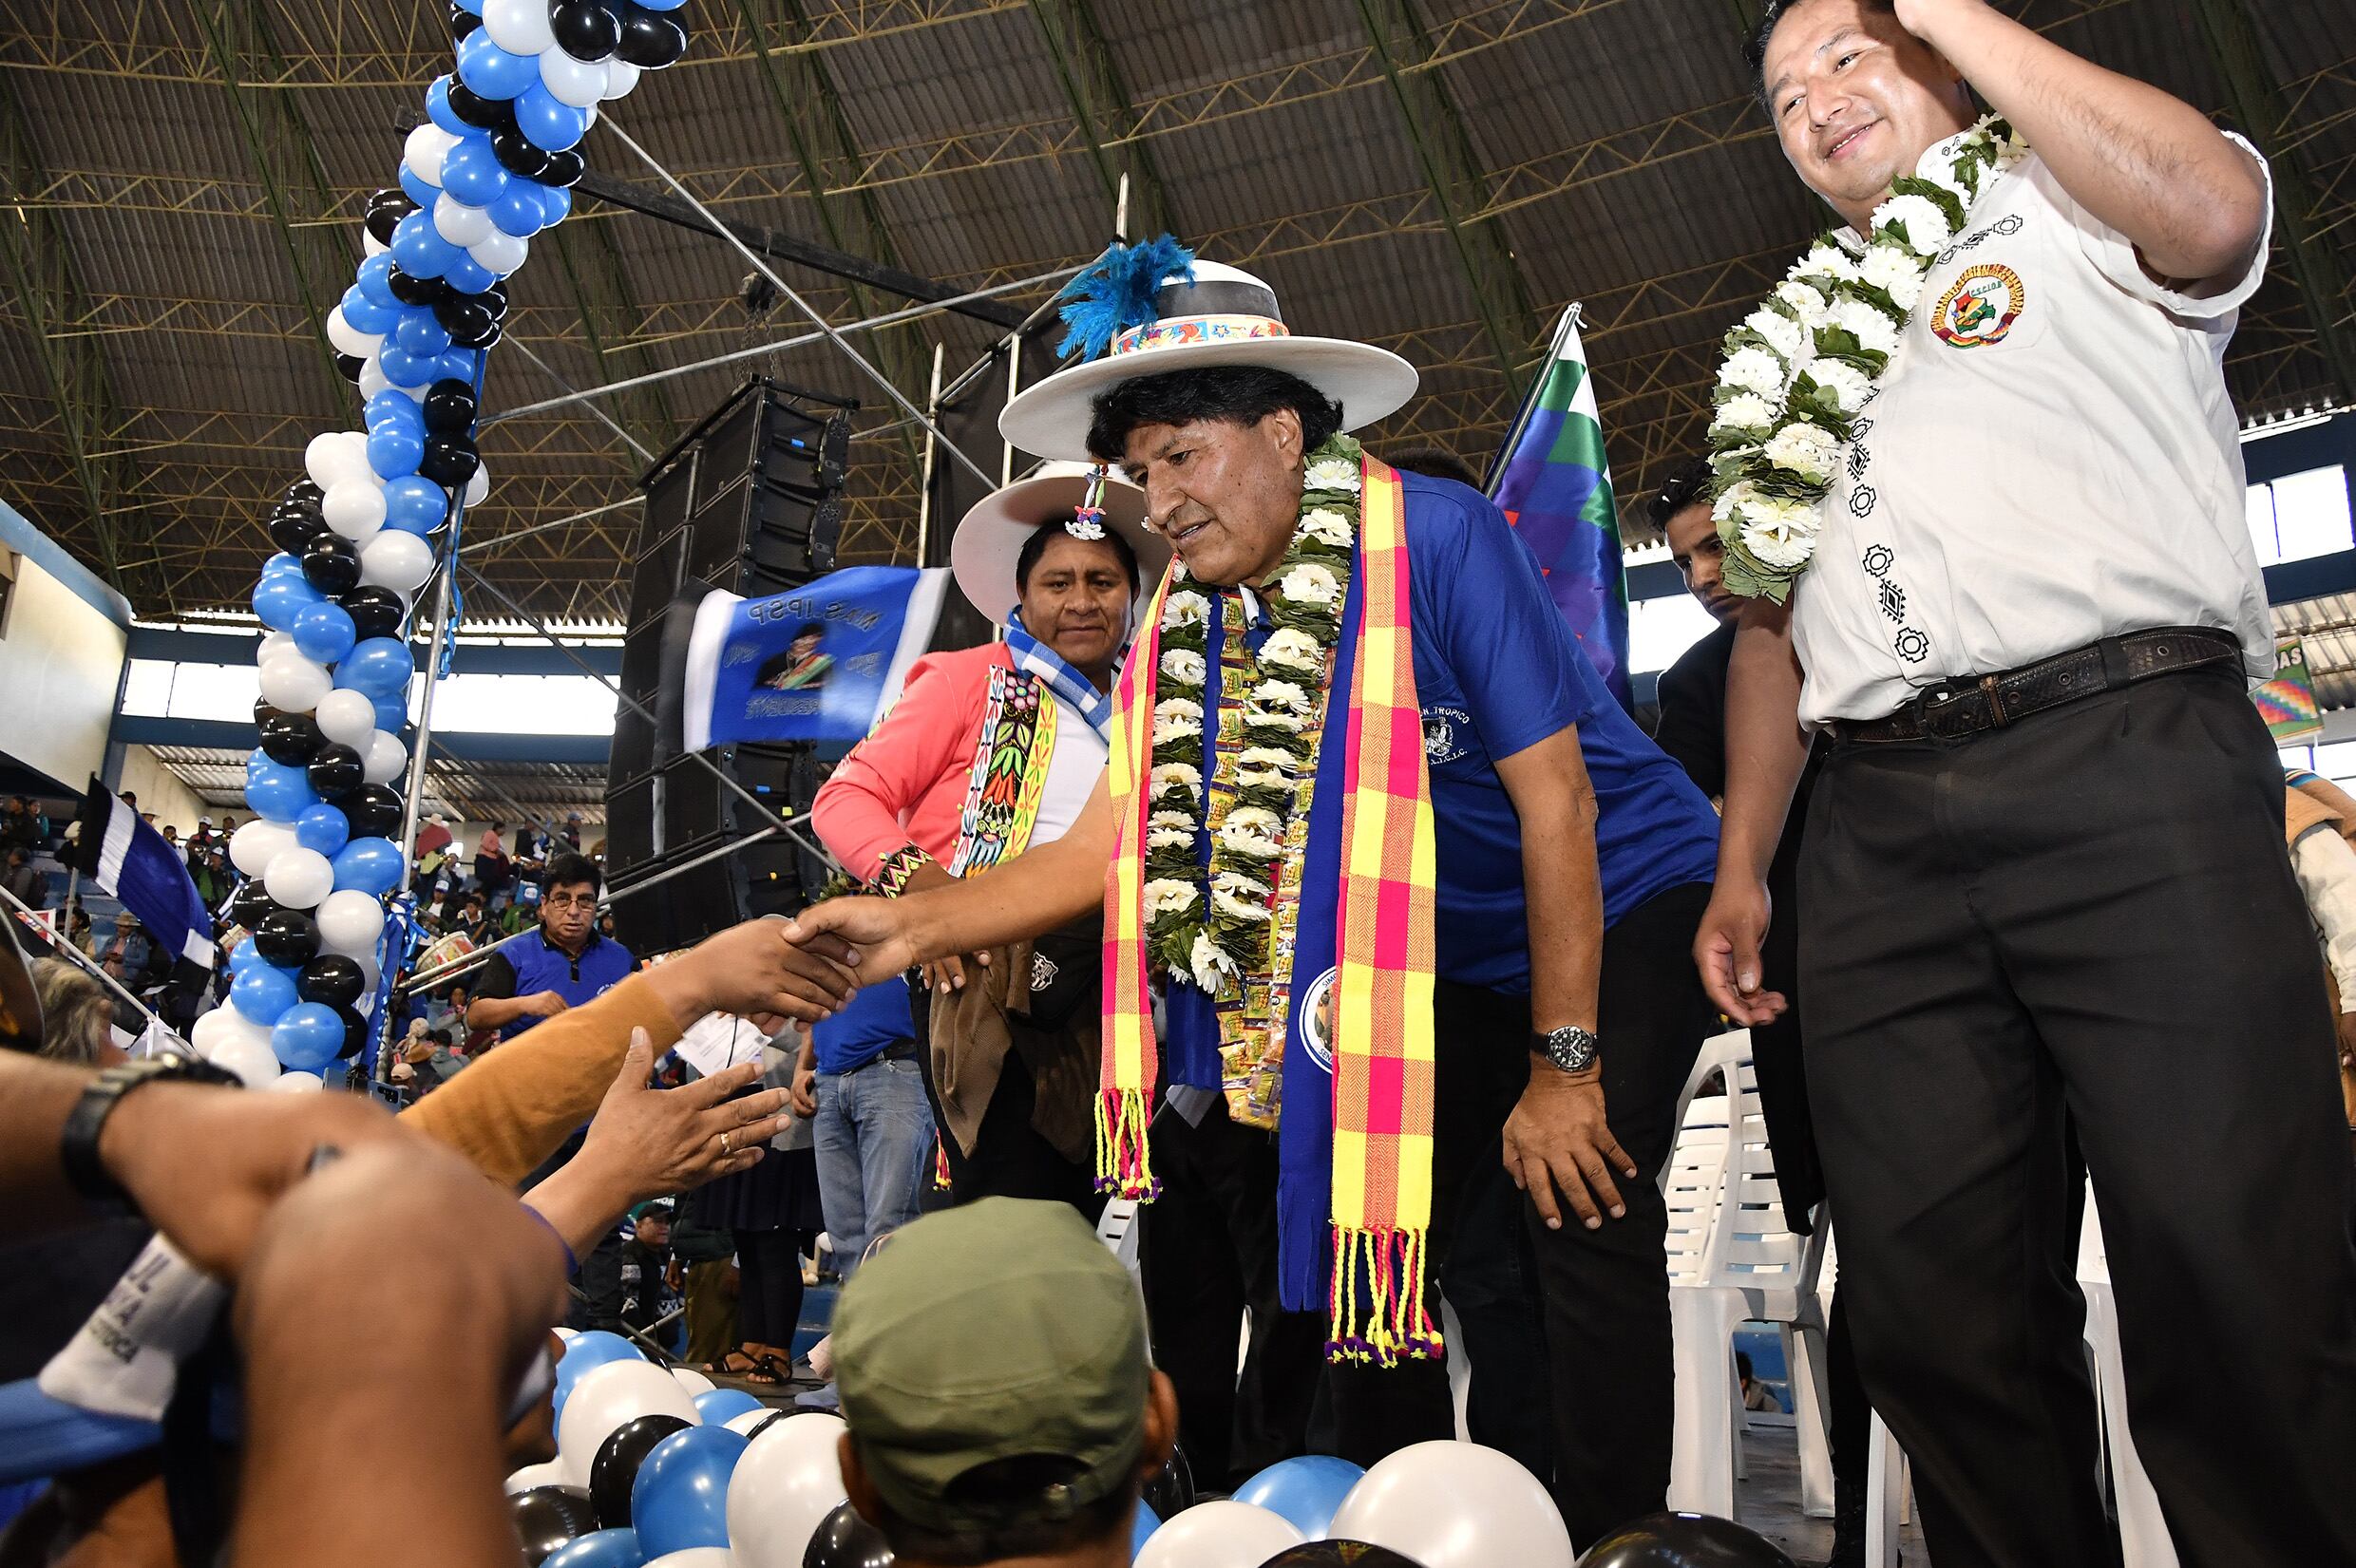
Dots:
pixel 1214 926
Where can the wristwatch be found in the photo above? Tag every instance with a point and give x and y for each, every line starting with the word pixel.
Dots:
pixel 1571 1047
pixel 77 1145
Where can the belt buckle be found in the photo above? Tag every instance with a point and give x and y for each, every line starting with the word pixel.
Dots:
pixel 1937 705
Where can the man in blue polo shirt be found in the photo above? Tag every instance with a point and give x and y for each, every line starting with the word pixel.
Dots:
pixel 859 1077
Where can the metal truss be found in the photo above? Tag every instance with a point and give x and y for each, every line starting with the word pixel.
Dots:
pixel 1100 99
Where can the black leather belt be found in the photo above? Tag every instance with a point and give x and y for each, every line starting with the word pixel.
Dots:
pixel 900 1051
pixel 1967 706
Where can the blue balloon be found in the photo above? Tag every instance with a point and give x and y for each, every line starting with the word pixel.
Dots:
pixel 392 713
pixel 472 7
pixel 244 956
pixel 324 631
pixel 559 200
pixel 373 279
pixel 379 667
pixel 404 369
pixel 280 564
pixel 1142 1527
pixel 323 828
pixel 262 993
pixel 438 108
pixel 467 276
pixel 718 1407
pixel 587 1352
pixel 394 409
pixel 458 365
pixel 370 865
pixel 1307 1490
pixel 546 121
pixel 472 172
pixel 280 597
pixel 490 70
pixel 598 1548
pixel 420 333
pixel 275 791
pixel 395 451
pixel 420 252
pixel 418 189
pixel 366 314
pixel 522 210
pixel 681 1496
pixel 415 506
pixel 307 1036
pixel 660 5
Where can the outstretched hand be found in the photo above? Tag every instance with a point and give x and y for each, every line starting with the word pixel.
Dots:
pixel 652 1141
pixel 874 932
pixel 757 970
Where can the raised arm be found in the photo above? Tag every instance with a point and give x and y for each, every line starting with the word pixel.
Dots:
pixel 1765 752
pixel 2143 161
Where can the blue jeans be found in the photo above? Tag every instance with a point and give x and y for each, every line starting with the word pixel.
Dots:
pixel 874 1134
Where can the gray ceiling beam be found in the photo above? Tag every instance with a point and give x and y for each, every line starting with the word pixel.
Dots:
pixel 1102 108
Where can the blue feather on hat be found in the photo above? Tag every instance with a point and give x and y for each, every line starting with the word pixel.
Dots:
pixel 1116 292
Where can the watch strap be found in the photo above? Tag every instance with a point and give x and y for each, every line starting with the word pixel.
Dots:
pixel 77 1146
pixel 1570 1048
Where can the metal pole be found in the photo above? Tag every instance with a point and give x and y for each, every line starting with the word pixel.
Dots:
pixel 765 807
pixel 932 456
pixel 62 945
pixel 602 417
pixel 890 318
pixel 443 626
pixel 786 289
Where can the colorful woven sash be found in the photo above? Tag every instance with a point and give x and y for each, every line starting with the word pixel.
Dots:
pixel 1382 1045
pixel 1009 776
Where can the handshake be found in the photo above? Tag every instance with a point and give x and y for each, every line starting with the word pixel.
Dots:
pixel 802 969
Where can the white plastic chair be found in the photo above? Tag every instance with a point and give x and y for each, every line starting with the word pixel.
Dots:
pixel 2143 1537
pixel 1732 1260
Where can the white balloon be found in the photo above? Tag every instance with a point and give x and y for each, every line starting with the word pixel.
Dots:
pixel 621 76
pixel 478 483
pixel 568 1335
pixel 580 82
pixel 385 760
pixel 299 878
pixel 550 1474
pixel 350 339
pixel 326 459
pixel 500 254
pixel 355 442
pixel 274 643
pixel 293 683
pixel 605 1398
pixel 371 245
pixel 223 1024
pixel 347 718
pixel 295 1082
pixel 519 27
pixel 458 223
pixel 350 922
pixel 396 558
pixel 1221 1534
pixel 372 377
pixel 250 1059
pixel 428 145
pixel 744 1425
pixel 255 844
pixel 691 1380
pixel 783 1488
pixel 695 1557
pixel 354 508
pixel 1450 1505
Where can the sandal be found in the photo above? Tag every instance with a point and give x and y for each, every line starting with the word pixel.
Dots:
pixel 734 1364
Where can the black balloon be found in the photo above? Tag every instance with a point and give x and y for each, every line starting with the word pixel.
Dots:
pixel 585 30
pixel 375 610
pixel 1171 1490
pixel 293 531
pixel 355 1031
pixel 845 1541
pixel 286 936
pixel 1340 1554
pixel 251 904
pixel 469 321
pixel 391 196
pixel 516 155
pixel 450 460
pixel 616 1467
pixel 415 291
pixel 306 491
pixel 565 168
pixel 449 407
pixel 1683 1540
pixel 373 810
pixel 547 1517
pixel 381 221
pixel 482 113
pixel 330 562
pixel 291 738
pixel 350 366
pixel 332 979
pixel 334 770
pixel 650 40
pixel 462 22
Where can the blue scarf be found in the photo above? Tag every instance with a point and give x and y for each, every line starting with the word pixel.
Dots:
pixel 1035 658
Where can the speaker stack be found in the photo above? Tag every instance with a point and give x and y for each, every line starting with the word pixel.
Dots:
pixel 751 502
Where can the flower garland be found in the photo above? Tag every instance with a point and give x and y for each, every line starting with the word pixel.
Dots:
pixel 1801 369
pixel 1216 925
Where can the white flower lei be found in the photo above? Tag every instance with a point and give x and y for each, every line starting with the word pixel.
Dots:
pixel 1799 368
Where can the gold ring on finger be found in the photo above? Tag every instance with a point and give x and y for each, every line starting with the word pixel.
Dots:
pixel 725 1149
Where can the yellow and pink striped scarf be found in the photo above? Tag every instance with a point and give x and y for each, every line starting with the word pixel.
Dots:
pixel 1382 1043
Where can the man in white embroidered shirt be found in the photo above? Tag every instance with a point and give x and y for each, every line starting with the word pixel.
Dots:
pixel 2044 865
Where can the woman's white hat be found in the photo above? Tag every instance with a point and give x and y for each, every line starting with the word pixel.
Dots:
pixel 990 536
pixel 1201 314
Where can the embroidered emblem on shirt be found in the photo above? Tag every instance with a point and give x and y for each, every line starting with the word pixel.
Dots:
pixel 1894 601
pixel 1861 500
pixel 1859 460
pixel 1911 645
pixel 1316 1012
pixel 2004 228
pixel 1980 306
pixel 1443 735
pixel 1042 971
pixel 1878 560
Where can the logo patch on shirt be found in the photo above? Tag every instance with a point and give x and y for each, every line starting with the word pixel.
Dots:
pixel 1317 1021
pixel 1445 734
pixel 1981 307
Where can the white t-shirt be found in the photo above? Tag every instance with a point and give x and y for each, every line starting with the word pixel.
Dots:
pixel 1073 770
pixel 2051 460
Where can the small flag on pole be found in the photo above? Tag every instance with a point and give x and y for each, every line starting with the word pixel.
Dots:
pixel 1554 486
pixel 131 861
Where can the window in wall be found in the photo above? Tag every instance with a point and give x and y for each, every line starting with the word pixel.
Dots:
pixel 1660 630
pixel 2300 516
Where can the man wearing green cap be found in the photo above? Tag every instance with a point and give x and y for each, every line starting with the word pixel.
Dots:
pixel 992 1364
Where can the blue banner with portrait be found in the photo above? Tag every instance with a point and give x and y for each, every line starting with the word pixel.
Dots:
pixel 814 663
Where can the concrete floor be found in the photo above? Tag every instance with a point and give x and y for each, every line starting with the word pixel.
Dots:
pixel 1769 1503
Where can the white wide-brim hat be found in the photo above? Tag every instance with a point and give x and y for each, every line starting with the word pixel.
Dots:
pixel 990 536
pixel 1223 315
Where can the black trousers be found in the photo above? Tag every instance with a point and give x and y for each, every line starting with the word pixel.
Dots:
pixel 1603 1294
pixel 1207 1252
pixel 769 1298
pixel 1010 1158
pixel 2090 912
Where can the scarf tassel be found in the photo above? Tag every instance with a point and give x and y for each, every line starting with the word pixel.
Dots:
pixel 1379 1313
pixel 940 1164
pixel 1124 1165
